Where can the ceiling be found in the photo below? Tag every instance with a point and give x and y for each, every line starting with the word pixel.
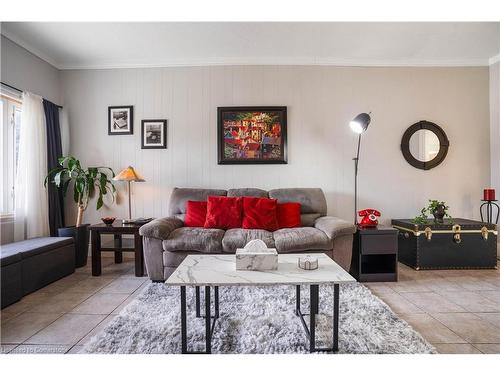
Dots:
pixel 79 45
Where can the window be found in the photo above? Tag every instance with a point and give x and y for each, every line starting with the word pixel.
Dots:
pixel 10 121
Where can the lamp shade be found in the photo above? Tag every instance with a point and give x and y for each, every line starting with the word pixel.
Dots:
pixel 129 174
pixel 360 123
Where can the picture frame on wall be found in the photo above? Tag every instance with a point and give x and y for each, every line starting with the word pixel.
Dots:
pixel 252 135
pixel 154 134
pixel 121 120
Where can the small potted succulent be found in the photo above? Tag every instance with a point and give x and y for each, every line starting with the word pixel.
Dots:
pixel 86 184
pixel 438 209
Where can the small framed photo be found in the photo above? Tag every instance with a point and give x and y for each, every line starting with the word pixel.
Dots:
pixel 154 134
pixel 121 120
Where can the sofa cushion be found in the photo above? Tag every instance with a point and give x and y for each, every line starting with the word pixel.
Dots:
pixel 259 213
pixel 288 215
pixel 196 214
pixel 247 192
pixel 35 246
pixel 224 212
pixel 312 202
pixel 291 240
pixel 203 240
pixel 334 227
pixel 179 197
pixel 238 238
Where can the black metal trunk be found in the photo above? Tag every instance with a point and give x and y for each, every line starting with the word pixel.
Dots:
pixel 454 244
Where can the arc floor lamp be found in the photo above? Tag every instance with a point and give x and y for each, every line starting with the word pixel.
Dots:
pixel 358 125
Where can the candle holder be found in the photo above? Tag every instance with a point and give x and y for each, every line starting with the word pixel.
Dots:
pixel 308 262
pixel 489 206
pixel 489 194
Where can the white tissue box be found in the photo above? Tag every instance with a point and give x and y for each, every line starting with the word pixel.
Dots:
pixel 256 260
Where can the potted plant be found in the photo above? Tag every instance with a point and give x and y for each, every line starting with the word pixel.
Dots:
pixel 438 209
pixel 86 183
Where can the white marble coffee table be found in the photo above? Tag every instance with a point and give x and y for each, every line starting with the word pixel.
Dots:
pixel 220 270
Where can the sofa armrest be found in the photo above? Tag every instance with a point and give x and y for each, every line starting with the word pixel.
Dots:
pixel 334 227
pixel 160 228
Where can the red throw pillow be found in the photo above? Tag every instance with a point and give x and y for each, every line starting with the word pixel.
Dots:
pixel 196 213
pixel 260 213
pixel 288 215
pixel 223 212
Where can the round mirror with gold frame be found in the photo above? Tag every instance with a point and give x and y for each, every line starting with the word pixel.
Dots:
pixel 424 145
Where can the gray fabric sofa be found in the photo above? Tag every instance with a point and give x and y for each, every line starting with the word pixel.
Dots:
pixel 167 242
pixel 31 264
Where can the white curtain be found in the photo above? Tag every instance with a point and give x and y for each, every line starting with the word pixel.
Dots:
pixel 64 125
pixel 31 202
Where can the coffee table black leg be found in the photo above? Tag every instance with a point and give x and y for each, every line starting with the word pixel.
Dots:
pixel 197 296
pixel 183 320
pixel 297 300
pixel 313 310
pixel 209 319
pixel 216 291
pixel 208 333
pixel 336 317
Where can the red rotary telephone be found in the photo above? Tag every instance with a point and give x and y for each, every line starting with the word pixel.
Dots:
pixel 369 217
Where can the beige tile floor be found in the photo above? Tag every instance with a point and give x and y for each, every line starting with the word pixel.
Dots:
pixel 457 311
pixel 61 317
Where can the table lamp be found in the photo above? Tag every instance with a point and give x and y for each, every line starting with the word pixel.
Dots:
pixel 358 125
pixel 130 175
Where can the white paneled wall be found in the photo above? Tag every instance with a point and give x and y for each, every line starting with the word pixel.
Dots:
pixel 495 124
pixel 320 101
pixel 495 128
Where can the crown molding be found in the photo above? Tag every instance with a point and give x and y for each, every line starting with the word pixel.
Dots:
pixel 284 61
pixel 494 59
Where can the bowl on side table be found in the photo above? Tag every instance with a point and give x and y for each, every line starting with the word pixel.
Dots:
pixel 108 220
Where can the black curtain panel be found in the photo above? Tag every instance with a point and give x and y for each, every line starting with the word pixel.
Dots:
pixel 54 151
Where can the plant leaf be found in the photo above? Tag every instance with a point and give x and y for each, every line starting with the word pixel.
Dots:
pixel 57 178
pixel 76 195
pixel 99 201
pixel 65 186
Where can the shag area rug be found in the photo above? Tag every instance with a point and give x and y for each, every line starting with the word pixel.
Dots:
pixel 257 320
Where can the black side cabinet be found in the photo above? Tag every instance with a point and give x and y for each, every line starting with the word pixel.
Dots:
pixel 375 254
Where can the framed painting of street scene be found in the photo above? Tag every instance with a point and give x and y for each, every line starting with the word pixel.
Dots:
pixel 251 135
pixel 154 134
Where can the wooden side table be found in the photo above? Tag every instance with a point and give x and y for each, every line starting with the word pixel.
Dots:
pixel 117 229
pixel 375 254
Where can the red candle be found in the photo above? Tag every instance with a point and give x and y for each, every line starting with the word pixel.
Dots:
pixel 489 194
